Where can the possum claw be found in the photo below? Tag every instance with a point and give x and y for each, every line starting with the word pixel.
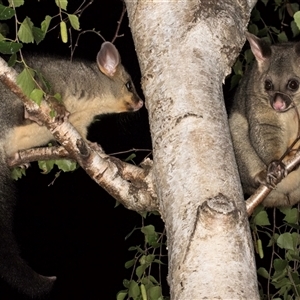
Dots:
pixel 276 172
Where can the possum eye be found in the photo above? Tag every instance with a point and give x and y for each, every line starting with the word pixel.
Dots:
pixel 268 85
pixel 129 86
pixel 293 85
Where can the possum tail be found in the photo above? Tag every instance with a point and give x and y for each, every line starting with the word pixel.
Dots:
pixel 13 269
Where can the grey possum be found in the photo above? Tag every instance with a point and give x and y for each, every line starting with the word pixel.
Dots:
pixel 264 121
pixel 87 90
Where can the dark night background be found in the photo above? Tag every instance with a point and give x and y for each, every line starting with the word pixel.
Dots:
pixel 71 229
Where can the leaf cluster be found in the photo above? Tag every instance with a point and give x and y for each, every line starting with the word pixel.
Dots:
pixel 283 272
pixel 27 32
pixel 143 285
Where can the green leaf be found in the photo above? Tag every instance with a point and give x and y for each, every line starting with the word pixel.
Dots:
pixel 46 165
pixel 134 290
pixel 62 4
pixel 155 293
pixel 38 34
pixel 248 56
pixel 267 39
pixel 126 283
pixel 129 263
pixel 276 30
pixel 253 29
pixel 263 272
pixel 45 24
pixel 58 97
pixel 147 282
pixel 6 12
pixel 63 32
pixel 130 157
pixel 282 283
pixel 152 279
pixel 10 47
pixel 150 258
pixel 280 264
pixel 25 33
pixel 74 21
pixel 4 29
pixel 132 248
pixel 294 28
pixel 45 83
pixel 122 295
pixel 294 7
pixel 17 173
pixel 291 256
pixel 263 32
pixel 16 3
pixel 238 67
pixel 66 165
pixel 255 15
pixel 291 214
pixel 282 37
pixel 297 19
pixel 265 2
pixel 296 279
pixel 150 229
pixel 235 79
pixel 285 241
pixel 296 239
pixel 158 261
pixel 37 95
pixel 26 82
pixel 140 270
pixel 12 60
pixel 261 219
pixel 151 235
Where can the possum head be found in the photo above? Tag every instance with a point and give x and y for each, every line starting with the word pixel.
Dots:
pixel 278 72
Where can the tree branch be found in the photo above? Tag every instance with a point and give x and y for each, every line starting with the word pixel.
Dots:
pixel 130 185
pixel 263 191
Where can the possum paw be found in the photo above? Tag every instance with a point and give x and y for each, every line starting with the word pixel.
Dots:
pixel 276 172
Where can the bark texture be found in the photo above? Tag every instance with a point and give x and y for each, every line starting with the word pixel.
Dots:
pixel 185 50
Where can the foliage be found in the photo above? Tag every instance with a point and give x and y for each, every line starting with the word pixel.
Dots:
pixel 142 285
pixel 27 32
pixel 283 259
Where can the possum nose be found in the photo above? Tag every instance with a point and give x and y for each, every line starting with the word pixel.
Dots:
pixel 281 102
pixel 138 105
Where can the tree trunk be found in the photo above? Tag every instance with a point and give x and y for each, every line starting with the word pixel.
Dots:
pixel 185 50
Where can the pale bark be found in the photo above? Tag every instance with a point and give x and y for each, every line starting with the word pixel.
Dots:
pixel 185 49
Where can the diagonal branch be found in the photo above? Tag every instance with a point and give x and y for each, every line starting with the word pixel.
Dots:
pixel 263 191
pixel 130 185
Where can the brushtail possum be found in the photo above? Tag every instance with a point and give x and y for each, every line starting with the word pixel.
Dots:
pixel 264 122
pixel 87 90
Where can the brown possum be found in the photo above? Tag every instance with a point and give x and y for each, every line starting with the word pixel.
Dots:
pixel 264 121
pixel 87 90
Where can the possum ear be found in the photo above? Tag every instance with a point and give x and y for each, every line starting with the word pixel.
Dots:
pixel 108 59
pixel 260 48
